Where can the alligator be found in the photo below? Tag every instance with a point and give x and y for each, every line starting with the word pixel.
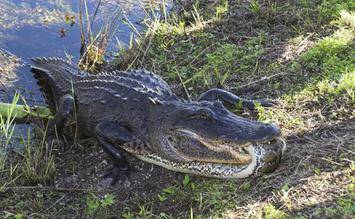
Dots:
pixel 135 111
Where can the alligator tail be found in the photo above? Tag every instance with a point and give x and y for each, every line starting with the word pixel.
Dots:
pixel 54 76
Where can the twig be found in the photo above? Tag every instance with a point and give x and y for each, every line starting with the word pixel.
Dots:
pixel 261 80
pixel 331 161
pixel 55 203
pixel 347 160
pixel 183 85
pixel 60 189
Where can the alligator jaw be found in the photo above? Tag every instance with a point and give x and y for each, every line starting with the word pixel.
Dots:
pixel 239 152
pixel 214 170
pixel 259 163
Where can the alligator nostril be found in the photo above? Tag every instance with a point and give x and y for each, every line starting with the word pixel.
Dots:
pixel 274 129
pixel 268 132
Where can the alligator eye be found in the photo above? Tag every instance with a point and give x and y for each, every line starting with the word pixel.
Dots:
pixel 202 114
pixel 206 114
pixel 218 104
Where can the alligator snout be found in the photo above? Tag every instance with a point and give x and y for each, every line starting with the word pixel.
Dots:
pixel 266 132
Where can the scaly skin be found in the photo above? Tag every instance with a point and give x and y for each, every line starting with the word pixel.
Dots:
pixel 136 111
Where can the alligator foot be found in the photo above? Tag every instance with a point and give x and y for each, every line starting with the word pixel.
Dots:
pixel 116 173
pixel 120 164
pixel 110 134
pixel 229 99
pixel 56 126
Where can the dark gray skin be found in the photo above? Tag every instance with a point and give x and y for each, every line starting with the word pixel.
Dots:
pixel 136 111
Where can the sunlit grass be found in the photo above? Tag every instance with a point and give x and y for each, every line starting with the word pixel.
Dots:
pixel 33 161
pixel 7 127
pixel 331 83
pixel 39 166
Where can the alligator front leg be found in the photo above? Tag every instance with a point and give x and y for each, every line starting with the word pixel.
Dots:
pixel 56 126
pixel 110 135
pixel 230 100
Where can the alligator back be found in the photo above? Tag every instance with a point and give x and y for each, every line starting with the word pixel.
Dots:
pixel 57 77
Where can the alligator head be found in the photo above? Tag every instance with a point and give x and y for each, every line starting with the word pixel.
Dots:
pixel 205 138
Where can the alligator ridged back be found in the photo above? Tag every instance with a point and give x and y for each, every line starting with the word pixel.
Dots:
pixel 58 77
pixel 54 76
pixel 139 80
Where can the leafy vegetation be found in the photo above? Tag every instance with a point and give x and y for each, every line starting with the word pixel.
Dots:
pixel 97 207
pixel 94 44
pixel 6 131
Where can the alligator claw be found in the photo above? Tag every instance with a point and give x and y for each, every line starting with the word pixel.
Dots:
pixel 116 173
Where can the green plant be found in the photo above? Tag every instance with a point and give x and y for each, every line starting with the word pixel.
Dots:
pixel 144 212
pixel 94 45
pixel 254 7
pixel 128 215
pixel 98 207
pixel 330 9
pixel 221 9
pixel 217 67
pixel 347 206
pixel 271 9
pixel 264 115
pixel 270 212
pixel 38 202
pixel 19 216
pixel 171 191
pixel 7 128
pixel 39 165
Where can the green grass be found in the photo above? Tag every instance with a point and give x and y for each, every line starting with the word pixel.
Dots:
pixel 254 7
pixel 39 165
pixel 331 68
pixel 98 207
pixel 34 164
pixel 7 128
pixel 270 212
